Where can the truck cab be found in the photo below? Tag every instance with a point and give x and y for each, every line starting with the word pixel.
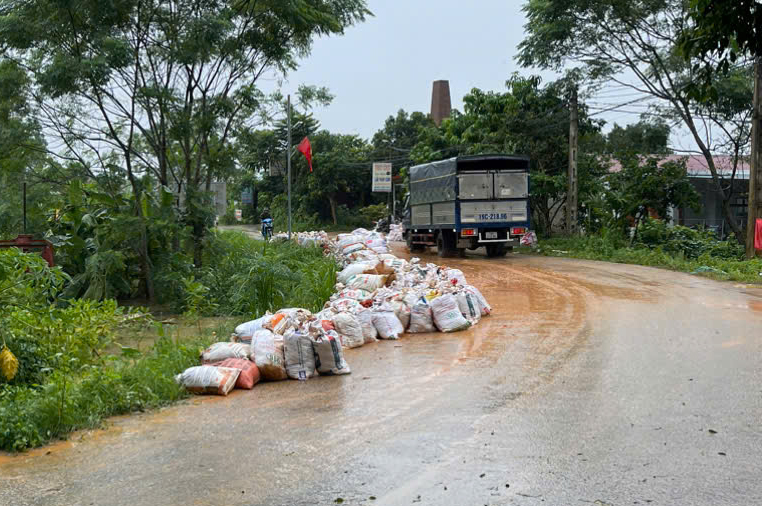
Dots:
pixel 468 202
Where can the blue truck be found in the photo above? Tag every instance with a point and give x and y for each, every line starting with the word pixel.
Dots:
pixel 468 202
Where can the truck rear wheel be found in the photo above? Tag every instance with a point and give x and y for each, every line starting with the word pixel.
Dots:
pixel 496 250
pixel 446 244
pixel 414 248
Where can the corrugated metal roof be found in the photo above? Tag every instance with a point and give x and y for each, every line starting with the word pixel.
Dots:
pixel 697 167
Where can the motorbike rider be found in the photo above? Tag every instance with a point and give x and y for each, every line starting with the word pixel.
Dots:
pixel 264 216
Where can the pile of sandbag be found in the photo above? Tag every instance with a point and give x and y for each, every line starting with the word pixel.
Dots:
pixel 395 232
pixel 377 296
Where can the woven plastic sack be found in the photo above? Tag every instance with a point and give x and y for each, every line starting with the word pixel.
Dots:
pixel 447 316
pixel 456 274
pixel 469 306
pixel 247 330
pixel 300 356
pixel 249 372
pixel 421 319
pixel 353 270
pixel 369 332
pixel 350 329
pixel 207 379
pixel 268 355
pixel 387 324
pixel 348 250
pixel 329 358
pixel 485 307
pixel 367 282
pixel 351 293
pixel 222 351
pixel 402 310
pixel 345 304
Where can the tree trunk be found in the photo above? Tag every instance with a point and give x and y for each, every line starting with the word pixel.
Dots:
pixel 726 211
pixel 145 264
pixel 332 201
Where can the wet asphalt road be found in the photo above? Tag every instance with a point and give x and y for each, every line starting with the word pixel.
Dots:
pixel 591 383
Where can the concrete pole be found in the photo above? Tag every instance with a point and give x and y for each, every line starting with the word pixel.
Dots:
pixel 755 170
pixel 288 163
pixel 571 190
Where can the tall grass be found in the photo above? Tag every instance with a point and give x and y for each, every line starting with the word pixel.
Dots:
pixel 32 415
pixel 717 261
pixel 248 277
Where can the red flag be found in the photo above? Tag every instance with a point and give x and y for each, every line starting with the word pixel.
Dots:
pixel 306 149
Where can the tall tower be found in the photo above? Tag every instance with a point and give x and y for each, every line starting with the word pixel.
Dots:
pixel 441 105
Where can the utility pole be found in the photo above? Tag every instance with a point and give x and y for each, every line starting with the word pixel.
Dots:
pixel 755 171
pixel 571 189
pixel 288 163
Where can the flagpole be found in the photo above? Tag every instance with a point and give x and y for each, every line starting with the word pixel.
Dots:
pixel 288 121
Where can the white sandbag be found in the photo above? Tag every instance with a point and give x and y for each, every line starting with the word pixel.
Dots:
pixel 268 355
pixel 421 319
pixel 375 243
pixel 447 316
pixel 221 351
pixel 353 270
pixel 352 293
pixel 246 330
pixel 345 304
pixel 298 314
pixel 402 311
pixel 457 275
pixel 387 256
pixel 300 356
pixel 207 379
pixel 329 357
pixel 348 239
pixel 485 307
pixel 367 282
pixel 350 329
pixel 381 250
pixel 348 250
pixel 369 332
pixel 469 306
pixel 387 324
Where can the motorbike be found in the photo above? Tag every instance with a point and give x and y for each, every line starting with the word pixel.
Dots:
pixel 267 229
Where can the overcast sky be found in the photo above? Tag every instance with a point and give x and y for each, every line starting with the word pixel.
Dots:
pixel 390 61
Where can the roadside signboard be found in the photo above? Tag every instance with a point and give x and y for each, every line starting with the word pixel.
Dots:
pixel 382 177
pixel 239 215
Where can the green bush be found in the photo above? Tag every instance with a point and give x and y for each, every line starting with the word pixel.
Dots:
pixel 247 277
pixel 676 248
pixel 689 242
pixel 374 212
pixel 32 415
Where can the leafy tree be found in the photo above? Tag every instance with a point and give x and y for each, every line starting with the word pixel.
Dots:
pixel 644 138
pixel 21 149
pixel 148 87
pixel 608 37
pixel 648 186
pixel 722 33
pixel 341 176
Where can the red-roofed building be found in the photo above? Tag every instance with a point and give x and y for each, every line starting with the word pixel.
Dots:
pixel 711 214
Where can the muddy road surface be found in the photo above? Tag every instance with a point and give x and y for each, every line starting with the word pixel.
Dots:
pixel 591 383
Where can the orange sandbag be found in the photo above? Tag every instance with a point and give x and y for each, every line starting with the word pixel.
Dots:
pixel 249 372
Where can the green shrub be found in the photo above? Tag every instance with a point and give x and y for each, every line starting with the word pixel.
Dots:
pixel 32 415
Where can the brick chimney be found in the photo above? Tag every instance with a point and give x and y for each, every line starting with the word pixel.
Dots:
pixel 441 106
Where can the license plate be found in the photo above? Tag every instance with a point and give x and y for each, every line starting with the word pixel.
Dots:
pixel 491 235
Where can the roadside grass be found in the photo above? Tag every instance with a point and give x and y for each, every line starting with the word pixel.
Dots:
pixel 32 415
pixel 597 248
pixel 83 361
